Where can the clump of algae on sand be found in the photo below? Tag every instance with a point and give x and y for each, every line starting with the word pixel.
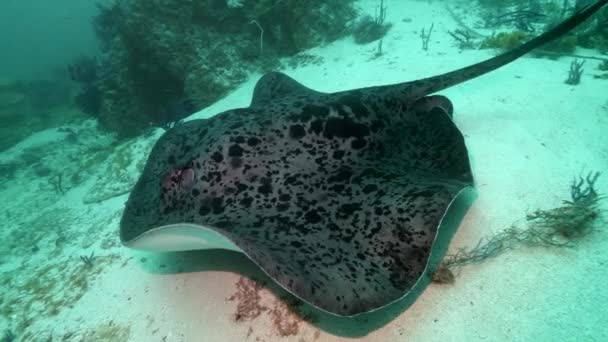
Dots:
pixel 557 227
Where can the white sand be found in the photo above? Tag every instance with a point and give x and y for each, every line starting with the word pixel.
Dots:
pixel 528 135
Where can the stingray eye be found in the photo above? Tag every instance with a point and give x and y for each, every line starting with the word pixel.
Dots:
pixel 186 179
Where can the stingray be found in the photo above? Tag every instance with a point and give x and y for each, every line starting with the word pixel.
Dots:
pixel 338 197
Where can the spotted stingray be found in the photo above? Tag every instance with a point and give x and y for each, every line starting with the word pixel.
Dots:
pixel 338 197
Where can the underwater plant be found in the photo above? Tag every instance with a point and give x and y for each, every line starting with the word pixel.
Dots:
pixel 521 19
pixel 464 38
pixel 425 37
pixel 368 29
pixel 575 72
pixel 505 40
pixel 88 260
pixel 563 226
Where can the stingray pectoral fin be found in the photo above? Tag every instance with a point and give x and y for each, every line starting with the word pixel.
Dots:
pixel 351 253
pixel 181 237
pixel 275 85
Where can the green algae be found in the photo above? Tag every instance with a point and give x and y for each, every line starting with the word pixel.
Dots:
pixel 563 226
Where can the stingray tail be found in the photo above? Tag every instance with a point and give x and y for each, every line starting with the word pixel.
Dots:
pixel 426 86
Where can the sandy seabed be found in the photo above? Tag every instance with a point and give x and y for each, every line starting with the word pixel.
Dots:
pixel 528 135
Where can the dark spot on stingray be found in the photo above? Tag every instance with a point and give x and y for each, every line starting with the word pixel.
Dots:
pixel 246 202
pixel 369 188
pixel 235 151
pixel 347 209
pixel 341 176
pixel 236 125
pixel 284 197
pixel 253 141
pixel 239 140
pixel 205 209
pixel 214 176
pixel 217 205
pixel 344 128
pixel 195 192
pixel 217 157
pixel 316 127
pixel 317 111
pixel 222 224
pixel 266 187
pixel 357 144
pixel 292 180
pixel 337 188
pixel 353 101
pixel 241 187
pixel 338 154
pixel 312 217
pixel 296 131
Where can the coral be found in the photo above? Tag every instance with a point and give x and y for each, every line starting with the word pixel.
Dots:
pixel 563 226
pixel 159 52
pixel 505 40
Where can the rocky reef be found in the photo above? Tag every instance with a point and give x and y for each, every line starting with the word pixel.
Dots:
pixel 160 52
pixel 28 106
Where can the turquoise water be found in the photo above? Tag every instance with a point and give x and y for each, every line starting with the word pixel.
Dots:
pixel 139 206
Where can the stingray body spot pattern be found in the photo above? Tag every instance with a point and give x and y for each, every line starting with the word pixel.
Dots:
pixel 338 197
